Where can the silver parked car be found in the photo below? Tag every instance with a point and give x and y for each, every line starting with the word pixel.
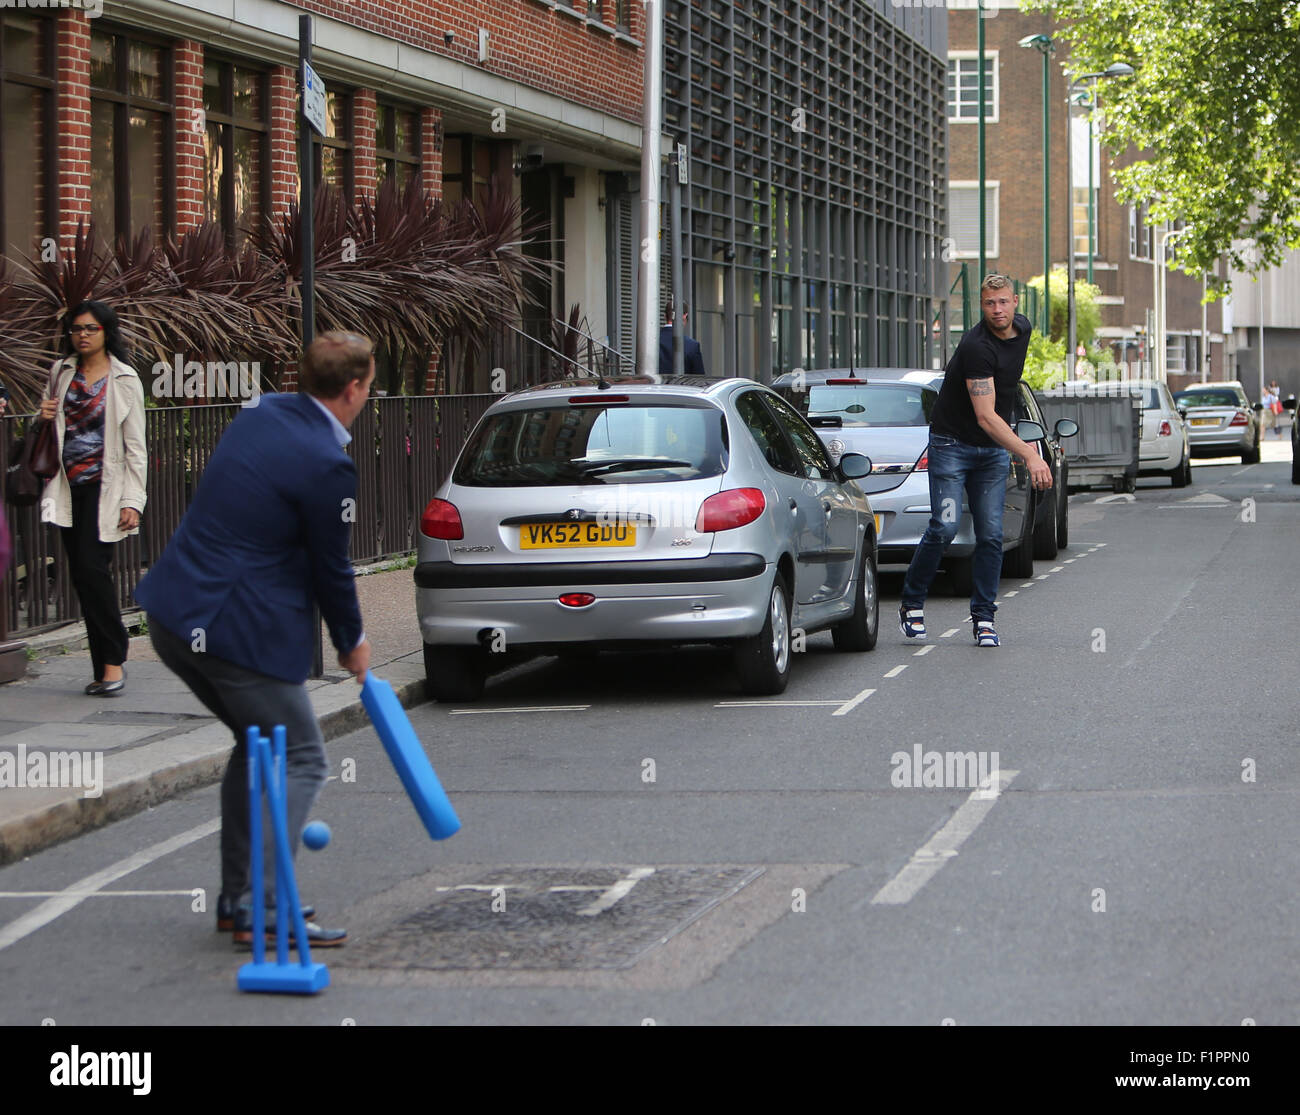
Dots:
pixel 1221 421
pixel 601 515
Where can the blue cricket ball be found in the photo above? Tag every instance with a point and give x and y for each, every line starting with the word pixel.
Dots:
pixel 316 835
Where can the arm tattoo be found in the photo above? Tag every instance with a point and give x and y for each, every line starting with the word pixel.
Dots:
pixel 980 386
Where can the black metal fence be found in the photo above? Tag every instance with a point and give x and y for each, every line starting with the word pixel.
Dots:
pixel 403 447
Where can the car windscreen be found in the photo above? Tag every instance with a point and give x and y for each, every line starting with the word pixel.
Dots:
pixel 1207 399
pixel 636 443
pixel 871 404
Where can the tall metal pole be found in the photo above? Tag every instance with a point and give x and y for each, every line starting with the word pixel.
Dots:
pixel 647 317
pixel 1071 327
pixel 1092 107
pixel 675 255
pixel 979 20
pixel 307 290
pixel 1047 198
pixel 1205 336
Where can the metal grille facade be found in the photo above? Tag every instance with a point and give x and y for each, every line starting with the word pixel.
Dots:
pixel 815 212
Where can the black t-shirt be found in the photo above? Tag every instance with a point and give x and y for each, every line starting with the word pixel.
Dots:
pixel 980 355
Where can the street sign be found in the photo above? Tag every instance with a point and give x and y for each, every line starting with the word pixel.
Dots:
pixel 681 163
pixel 313 98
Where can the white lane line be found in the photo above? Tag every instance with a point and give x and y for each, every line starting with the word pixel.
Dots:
pixel 923 651
pixel 950 633
pixel 1042 576
pixel 1028 584
pixel 1102 544
pixel 536 708
pixel 1013 592
pixel 617 891
pixel 1057 569
pixel 896 671
pixel 780 704
pixel 95 893
pixel 929 859
pixel 70 898
pixel 848 706
pixel 1068 561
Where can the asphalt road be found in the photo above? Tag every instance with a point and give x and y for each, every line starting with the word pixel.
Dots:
pixel 640 843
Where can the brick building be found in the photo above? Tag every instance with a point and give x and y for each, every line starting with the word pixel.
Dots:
pixel 1123 243
pixel 164 112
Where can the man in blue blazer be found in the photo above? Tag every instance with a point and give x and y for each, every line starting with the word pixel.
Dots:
pixel 693 358
pixel 230 599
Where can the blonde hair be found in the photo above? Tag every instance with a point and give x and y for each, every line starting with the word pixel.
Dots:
pixel 995 282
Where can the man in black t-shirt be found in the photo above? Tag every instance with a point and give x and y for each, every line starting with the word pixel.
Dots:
pixel 971 440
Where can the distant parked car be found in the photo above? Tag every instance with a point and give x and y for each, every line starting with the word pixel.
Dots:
pixel 884 413
pixel 1290 404
pixel 1221 421
pixel 586 516
pixel 1164 449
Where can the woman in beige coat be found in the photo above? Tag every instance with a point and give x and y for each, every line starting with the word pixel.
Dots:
pixel 98 494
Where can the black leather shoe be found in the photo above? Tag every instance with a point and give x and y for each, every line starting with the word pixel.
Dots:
pixel 317 937
pixel 226 914
pixel 107 688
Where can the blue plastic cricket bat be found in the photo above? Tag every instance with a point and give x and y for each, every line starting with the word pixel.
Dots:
pixel 403 747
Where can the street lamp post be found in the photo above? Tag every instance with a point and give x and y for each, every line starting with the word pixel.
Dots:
pixel 1160 352
pixel 1046 47
pixel 1115 69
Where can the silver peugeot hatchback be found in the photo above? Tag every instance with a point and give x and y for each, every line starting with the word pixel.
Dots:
pixel 587 515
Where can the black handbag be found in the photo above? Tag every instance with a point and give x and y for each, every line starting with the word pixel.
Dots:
pixel 33 461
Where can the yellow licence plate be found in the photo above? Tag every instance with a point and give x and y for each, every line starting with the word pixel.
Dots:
pixel 1205 421
pixel 559 536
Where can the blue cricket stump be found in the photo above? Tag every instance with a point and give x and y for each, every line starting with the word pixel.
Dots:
pixel 303 978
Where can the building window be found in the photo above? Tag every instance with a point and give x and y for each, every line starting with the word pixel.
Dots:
pixel 964 86
pixel 132 136
pixel 332 152
pixel 622 15
pixel 236 148
pixel 469 164
pixel 963 219
pixel 27 139
pixel 397 144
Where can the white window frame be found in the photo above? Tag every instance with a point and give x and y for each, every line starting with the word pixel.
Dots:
pixel 991 56
pixel 993 187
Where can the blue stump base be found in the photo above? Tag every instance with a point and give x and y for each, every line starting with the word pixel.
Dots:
pixel 293 979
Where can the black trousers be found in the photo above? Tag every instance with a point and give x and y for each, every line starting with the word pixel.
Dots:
pixel 90 563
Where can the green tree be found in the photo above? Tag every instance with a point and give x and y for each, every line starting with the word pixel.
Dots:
pixel 1212 109
pixel 1087 309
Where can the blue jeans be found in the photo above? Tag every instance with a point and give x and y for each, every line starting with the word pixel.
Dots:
pixel 982 472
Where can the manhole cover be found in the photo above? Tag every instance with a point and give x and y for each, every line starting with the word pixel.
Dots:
pixel 550 918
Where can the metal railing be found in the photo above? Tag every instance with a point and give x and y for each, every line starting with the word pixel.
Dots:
pixel 403 446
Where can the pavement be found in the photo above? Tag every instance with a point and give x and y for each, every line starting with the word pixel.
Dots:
pixel 156 740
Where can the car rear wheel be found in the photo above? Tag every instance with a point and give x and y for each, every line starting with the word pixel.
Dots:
pixel 1063 511
pixel 763 660
pixel 1045 544
pixel 1182 475
pixel 859 631
pixel 1252 456
pixel 1295 468
pixel 455 673
pixel 1020 561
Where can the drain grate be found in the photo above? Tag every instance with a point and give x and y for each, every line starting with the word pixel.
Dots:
pixel 550 918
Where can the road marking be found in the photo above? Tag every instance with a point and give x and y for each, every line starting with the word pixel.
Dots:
pixel 535 708
pixel 1068 561
pixel 1119 497
pixel 1013 592
pixel 1042 576
pixel 950 633
pixel 617 891
pixel 896 671
pixel 1057 569
pixel 848 706
pixel 72 897
pixel 95 893
pixel 923 651
pixel 929 859
pixel 1028 584
pixel 779 704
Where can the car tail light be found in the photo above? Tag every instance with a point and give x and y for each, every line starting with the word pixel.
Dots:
pixel 441 520
pixel 577 599
pixel 727 510
pixel 849 382
pixel 1241 418
pixel 597 400
pixel 923 465
pixel 1165 430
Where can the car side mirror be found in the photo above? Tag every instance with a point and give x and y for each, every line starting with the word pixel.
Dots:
pixel 854 466
pixel 1066 427
pixel 1256 406
pixel 1030 431
pixel 1288 403
pixel 1182 412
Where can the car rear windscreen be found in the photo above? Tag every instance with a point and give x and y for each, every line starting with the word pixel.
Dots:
pixel 593 444
pixel 872 404
pixel 1207 399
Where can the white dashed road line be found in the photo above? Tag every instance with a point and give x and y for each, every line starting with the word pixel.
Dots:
pixel 849 705
pixel 1013 592
pixel 617 891
pixel 896 671
pixel 779 704
pixel 536 708
pixel 923 651
pixel 929 859
pixel 950 633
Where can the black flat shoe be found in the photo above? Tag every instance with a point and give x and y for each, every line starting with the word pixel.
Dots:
pixel 226 914
pixel 107 688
